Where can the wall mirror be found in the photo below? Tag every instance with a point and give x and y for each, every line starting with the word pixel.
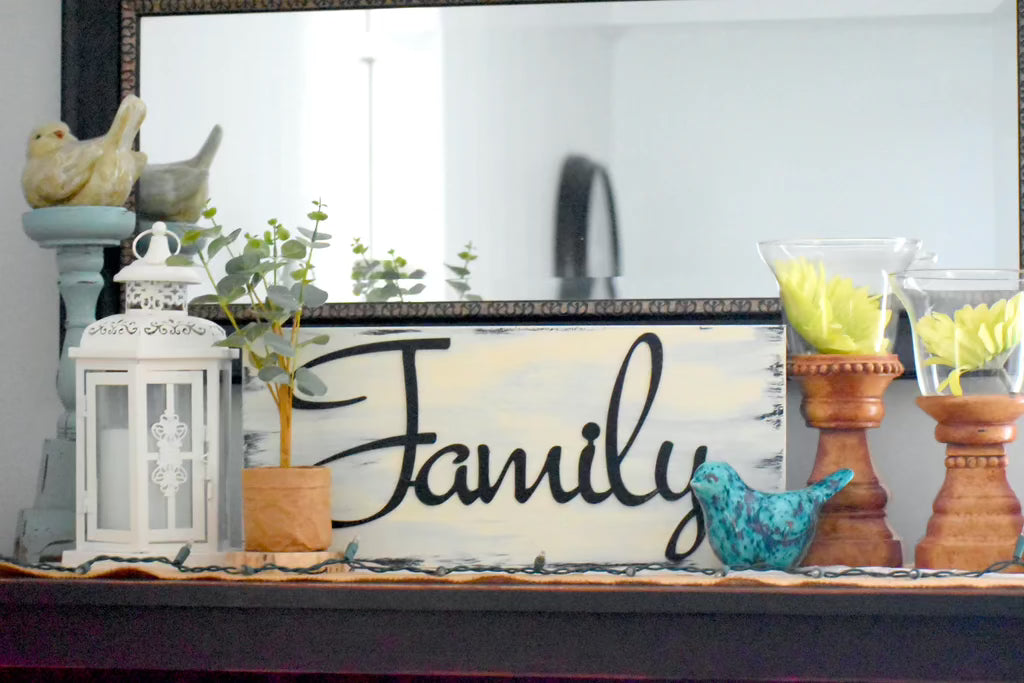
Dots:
pixel 706 124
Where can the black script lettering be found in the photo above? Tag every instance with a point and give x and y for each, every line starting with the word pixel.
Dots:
pixel 590 432
pixel 696 513
pixel 459 484
pixel 412 436
pixel 613 456
pixel 516 461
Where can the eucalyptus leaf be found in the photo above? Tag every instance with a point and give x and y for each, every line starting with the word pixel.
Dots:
pixel 293 249
pixel 179 260
pixel 234 295
pixel 308 383
pixel 282 297
pixel 255 330
pixel 314 235
pixel 203 299
pixel 319 340
pixel 233 235
pixel 266 267
pixel 417 274
pixel 214 247
pixel 275 374
pixel 474 297
pixel 236 340
pixel 299 274
pixel 313 296
pixel 458 270
pixel 458 285
pixel 278 344
pixel 317 216
pixel 210 212
pixel 416 288
pixel 191 237
pixel 229 283
pixel 241 264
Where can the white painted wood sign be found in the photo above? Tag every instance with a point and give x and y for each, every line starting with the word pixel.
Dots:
pixel 489 444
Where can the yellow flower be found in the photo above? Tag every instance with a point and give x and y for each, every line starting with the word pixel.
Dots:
pixel 833 316
pixel 976 337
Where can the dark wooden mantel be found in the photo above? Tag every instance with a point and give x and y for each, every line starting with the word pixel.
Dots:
pixel 642 631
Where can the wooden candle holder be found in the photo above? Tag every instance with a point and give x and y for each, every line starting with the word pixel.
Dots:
pixel 976 517
pixel 842 399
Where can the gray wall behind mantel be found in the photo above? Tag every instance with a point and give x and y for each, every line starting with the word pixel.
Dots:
pixel 908 459
pixel 30 85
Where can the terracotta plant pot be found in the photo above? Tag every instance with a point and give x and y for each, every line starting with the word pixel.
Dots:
pixel 287 509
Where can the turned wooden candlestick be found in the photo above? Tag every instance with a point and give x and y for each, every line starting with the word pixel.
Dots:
pixel 976 516
pixel 842 399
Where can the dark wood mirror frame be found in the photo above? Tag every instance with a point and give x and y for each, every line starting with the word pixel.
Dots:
pixel 633 630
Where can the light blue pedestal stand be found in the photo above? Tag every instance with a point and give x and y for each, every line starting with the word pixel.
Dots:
pixel 79 234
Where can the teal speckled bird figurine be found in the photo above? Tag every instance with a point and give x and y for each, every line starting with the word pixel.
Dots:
pixel 750 528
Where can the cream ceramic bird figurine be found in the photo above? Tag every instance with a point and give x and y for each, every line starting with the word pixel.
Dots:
pixel 62 170
pixel 178 191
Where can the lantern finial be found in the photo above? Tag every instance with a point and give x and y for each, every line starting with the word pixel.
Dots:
pixel 153 266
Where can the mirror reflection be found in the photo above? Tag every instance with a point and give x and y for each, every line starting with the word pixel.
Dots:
pixel 645 146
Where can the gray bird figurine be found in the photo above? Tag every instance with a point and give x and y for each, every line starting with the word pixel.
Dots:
pixel 750 528
pixel 62 170
pixel 178 191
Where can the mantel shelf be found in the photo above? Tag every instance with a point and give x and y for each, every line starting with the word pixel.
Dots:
pixel 487 628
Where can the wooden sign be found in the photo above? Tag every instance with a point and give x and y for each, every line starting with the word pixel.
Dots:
pixel 490 444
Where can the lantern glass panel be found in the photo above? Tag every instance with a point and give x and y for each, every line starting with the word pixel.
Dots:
pixel 113 468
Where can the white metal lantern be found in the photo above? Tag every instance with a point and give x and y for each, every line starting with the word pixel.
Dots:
pixel 153 409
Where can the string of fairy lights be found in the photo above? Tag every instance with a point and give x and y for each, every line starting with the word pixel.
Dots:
pixel 538 568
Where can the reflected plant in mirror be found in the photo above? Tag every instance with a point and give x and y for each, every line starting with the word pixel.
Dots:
pixel 460 283
pixel 382 279
pixel 274 274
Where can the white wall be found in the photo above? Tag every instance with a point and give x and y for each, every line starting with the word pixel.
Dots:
pixel 508 130
pixel 30 82
pixel 852 127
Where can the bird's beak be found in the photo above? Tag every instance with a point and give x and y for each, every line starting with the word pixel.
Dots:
pixel 59 134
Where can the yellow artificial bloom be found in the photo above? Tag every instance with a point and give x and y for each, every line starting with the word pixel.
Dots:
pixel 976 337
pixel 833 316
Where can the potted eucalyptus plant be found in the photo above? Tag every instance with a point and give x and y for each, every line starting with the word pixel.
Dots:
pixel 286 508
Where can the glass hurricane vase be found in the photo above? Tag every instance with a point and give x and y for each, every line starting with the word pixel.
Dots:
pixel 841 328
pixel 835 293
pixel 967 327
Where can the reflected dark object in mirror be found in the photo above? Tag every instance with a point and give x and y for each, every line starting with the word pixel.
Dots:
pixel 572 225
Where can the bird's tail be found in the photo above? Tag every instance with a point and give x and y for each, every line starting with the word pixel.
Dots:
pixel 823 490
pixel 127 122
pixel 204 157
